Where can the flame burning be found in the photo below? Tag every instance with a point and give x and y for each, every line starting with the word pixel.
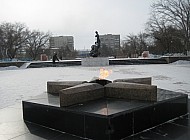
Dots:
pixel 104 73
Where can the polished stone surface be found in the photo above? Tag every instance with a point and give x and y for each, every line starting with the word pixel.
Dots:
pixel 13 127
pixel 145 80
pixel 54 87
pixel 105 118
pixel 133 91
pixel 80 93
pixel 95 61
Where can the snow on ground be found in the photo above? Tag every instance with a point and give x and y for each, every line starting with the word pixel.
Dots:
pixel 18 84
pixel 9 68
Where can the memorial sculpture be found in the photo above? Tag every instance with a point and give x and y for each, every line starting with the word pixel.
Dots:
pixel 95 48
pixel 103 109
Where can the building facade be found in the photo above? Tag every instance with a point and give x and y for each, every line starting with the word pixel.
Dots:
pixel 111 41
pixel 62 42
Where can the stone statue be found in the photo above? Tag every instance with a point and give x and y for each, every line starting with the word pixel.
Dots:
pixel 95 48
pixel 98 39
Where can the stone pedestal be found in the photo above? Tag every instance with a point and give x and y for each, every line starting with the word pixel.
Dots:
pixel 81 93
pixel 131 91
pixel 53 87
pixel 145 80
pixel 108 118
pixel 104 110
pixel 95 61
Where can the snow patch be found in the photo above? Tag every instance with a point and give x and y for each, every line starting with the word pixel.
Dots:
pixel 17 85
pixel 181 62
pixel 9 68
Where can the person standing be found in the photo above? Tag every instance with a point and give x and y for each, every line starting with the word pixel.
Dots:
pixel 55 58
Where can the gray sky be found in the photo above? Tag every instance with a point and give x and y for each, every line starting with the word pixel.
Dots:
pixel 79 18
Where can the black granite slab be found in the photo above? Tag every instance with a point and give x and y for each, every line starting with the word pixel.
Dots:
pixel 106 118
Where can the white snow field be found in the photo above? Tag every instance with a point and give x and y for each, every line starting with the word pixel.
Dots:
pixel 17 84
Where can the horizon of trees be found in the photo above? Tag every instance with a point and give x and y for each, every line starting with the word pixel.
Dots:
pixel 17 41
pixel 167 31
pixel 16 37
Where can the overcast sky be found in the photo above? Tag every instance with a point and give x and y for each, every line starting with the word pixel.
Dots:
pixel 78 18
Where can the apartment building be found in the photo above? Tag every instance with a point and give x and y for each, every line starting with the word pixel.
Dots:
pixel 111 41
pixel 61 42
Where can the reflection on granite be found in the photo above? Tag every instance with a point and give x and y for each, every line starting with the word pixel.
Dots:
pixel 105 118
pixel 105 106
pixel 108 106
pixel 46 99
pixel 163 94
pixel 11 123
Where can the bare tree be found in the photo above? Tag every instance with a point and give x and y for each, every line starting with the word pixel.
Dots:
pixel 157 28
pixel 37 41
pixel 175 13
pixel 13 38
pixel 143 43
pixel 132 42
pixel 135 44
pixel 2 48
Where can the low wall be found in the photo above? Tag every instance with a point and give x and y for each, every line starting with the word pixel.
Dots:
pixel 171 59
pixel 98 62
pixel 7 64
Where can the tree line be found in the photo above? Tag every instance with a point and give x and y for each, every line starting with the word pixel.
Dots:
pixel 15 37
pixel 167 30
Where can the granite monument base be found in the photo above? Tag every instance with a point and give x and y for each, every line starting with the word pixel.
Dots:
pixel 95 61
pixel 54 87
pixel 105 118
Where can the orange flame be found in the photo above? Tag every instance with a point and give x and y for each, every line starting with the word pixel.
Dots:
pixel 104 73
